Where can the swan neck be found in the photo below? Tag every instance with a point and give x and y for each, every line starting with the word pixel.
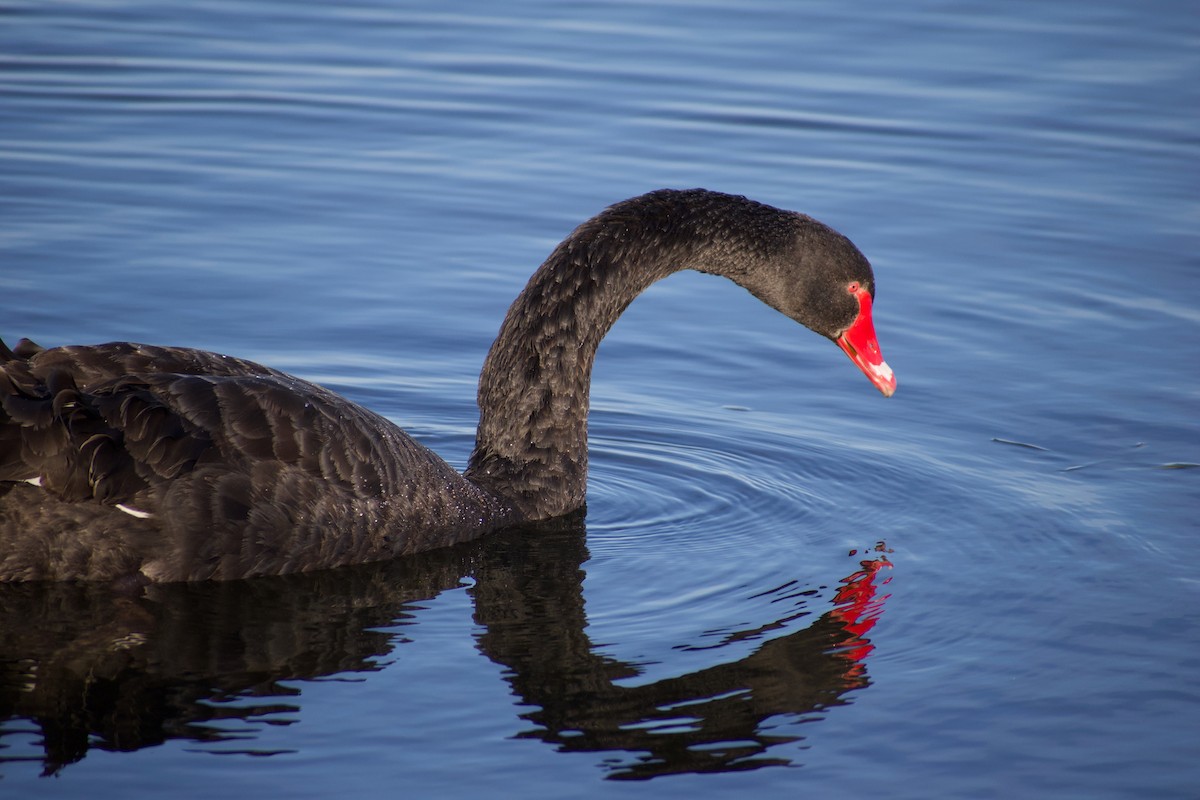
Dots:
pixel 531 445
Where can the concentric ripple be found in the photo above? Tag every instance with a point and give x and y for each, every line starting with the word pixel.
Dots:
pixel 710 534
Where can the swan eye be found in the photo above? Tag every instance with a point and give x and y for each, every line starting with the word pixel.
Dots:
pixel 853 287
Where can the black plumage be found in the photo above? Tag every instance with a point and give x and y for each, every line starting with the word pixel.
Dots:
pixel 130 461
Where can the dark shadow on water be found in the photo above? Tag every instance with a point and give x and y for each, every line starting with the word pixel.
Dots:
pixel 81 667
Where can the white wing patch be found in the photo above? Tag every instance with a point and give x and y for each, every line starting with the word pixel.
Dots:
pixel 130 510
pixel 133 512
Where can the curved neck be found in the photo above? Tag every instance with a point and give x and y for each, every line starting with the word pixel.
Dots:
pixel 531 445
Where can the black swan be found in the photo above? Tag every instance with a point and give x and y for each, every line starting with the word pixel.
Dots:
pixel 131 462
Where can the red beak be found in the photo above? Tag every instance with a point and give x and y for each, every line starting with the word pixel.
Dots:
pixel 860 344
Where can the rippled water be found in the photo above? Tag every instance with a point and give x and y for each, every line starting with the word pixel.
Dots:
pixel 785 584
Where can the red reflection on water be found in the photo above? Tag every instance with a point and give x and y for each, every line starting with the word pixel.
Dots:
pixel 858 606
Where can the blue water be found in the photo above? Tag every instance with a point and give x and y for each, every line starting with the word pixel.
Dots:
pixel 786 585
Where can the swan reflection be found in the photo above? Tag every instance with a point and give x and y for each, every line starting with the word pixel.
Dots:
pixel 87 668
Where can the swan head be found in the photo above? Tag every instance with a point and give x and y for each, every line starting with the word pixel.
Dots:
pixel 818 277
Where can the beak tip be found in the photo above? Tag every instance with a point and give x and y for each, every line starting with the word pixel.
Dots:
pixel 882 376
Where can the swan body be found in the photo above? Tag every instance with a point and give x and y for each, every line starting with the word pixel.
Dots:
pixel 135 462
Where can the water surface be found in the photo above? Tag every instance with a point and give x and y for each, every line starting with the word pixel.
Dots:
pixel 784 584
